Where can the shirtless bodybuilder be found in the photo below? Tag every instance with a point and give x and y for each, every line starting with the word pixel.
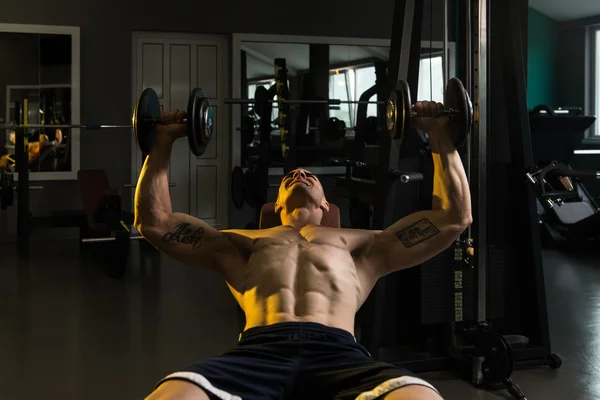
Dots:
pixel 301 284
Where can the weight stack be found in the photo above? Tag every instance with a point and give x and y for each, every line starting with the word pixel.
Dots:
pixel 447 290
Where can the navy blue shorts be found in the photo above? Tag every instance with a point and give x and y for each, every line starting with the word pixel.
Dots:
pixel 296 360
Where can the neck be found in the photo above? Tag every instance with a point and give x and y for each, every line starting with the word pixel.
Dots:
pixel 300 217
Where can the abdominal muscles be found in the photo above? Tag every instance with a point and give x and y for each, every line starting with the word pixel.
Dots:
pixel 301 282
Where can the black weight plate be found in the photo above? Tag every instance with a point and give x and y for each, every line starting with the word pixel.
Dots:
pixel 199 122
pixel 405 110
pixel 399 112
pixel 261 101
pixel 456 98
pixel 328 129
pixel 237 188
pixel 247 130
pixel 340 129
pixel 470 115
pixel 249 187
pixel 391 114
pixel 147 109
pixel 372 131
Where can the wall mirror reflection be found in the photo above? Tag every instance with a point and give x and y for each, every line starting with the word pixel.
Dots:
pixel 345 69
pixel 40 89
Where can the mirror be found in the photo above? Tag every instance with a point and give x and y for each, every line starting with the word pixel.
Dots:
pixel 328 69
pixel 37 89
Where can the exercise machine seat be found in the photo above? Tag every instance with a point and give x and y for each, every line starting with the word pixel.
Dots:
pixel 94 186
pixel 270 219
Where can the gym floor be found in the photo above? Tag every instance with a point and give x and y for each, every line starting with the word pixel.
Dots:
pixel 69 332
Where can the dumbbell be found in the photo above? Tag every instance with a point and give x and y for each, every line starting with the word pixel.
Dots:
pixel 199 120
pixel 457 106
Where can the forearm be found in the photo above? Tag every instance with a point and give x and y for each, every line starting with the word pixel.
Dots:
pixel 450 185
pixel 152 198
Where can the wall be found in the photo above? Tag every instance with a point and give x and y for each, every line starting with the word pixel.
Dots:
pixel 571 65
pixel 542 60
pixel 572 87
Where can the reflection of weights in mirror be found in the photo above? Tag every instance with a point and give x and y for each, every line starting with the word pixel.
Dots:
pixel 248 188
pixel 261 100
pixel 254 189
pixel 237 188
pixel 373 130
pixel 333 129
pixel 247 130
pixel 7 184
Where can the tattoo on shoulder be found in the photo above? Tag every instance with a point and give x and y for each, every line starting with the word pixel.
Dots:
pixel 184 234
pixel 417 233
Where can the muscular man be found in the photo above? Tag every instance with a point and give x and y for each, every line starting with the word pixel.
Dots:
pixel 300 284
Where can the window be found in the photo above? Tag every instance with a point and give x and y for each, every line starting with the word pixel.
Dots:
pixel 431 80
pixel 339 88
pixel 350 84
pixel 365 78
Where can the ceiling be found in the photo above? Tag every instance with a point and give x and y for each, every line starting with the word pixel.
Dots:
pixel 561 10
pixel 260 56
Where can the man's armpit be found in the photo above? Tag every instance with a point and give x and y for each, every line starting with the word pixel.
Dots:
pixel 417 233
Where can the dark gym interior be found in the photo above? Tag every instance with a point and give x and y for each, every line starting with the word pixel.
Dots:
pixel 75 323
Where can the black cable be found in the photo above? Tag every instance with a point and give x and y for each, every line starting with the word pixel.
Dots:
pixel 430 52
pixel 514 389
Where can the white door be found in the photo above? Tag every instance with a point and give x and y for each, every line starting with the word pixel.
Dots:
pixel 173 65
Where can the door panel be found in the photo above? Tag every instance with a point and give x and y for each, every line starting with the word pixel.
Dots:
pixel 206 192
pixel 152 72
pixel 180 87
pixel 208 79
pixel 180 77
pixel 173 65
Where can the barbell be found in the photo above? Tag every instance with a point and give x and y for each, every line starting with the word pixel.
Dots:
pixel 110 239
pixel 261 93
pixel 146 116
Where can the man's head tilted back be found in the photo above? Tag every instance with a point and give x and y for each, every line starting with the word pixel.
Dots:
pixel 301 199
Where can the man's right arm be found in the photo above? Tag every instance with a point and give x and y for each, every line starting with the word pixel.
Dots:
pixel 178 235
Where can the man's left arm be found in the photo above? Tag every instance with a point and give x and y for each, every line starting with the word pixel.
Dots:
pixel 424 234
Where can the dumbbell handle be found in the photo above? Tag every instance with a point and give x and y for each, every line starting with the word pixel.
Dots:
pixel 406 177
pixel 134 185
pixel 443 111
pixel 158 121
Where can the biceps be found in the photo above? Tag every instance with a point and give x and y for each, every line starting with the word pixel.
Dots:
pixel 186 239
pixel 415 239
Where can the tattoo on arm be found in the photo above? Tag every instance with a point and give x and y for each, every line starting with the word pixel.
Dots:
pixel 417 233
pixel 186 235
